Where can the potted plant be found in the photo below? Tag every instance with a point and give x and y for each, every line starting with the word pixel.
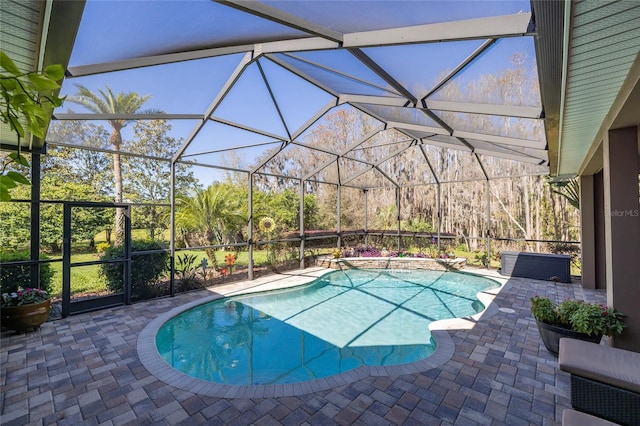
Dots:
pixel 25 308
pixel 575 319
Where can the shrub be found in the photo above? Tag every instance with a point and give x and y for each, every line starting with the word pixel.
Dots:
pixel 186 266
pixel 14 276
pixel 346 253
pixel 400 253
pixel 145 269
pixel 102 247
pixel 367 251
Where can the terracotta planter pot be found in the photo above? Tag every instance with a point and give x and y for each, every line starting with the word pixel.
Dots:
pixel 22 318
pixel 551 336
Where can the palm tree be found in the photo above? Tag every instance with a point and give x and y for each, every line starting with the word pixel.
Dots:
pixel 106 102
pixel 569 189
pixel 212 211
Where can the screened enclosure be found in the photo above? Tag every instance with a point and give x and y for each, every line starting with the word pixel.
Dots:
pixel 244 137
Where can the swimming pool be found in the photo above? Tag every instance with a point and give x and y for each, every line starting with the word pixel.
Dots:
pixel 341 321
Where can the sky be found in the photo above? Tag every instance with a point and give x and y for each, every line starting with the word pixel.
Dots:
pixel 114 30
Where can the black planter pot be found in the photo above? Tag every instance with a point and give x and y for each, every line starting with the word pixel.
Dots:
pixel 551 335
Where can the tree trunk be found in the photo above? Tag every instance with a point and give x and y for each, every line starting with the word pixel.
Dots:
pixel 537 218
pixel 527 207
pixel 116 142
pixel 555 217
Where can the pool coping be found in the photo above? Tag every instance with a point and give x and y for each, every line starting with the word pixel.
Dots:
pixel 158 367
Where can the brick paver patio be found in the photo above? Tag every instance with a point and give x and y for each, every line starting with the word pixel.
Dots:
pixel 86 370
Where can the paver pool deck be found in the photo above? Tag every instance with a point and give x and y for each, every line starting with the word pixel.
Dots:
pixel 86 369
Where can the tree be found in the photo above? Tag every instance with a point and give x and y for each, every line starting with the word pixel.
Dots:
pixel 15 232
pixel 106 102
pixel 214 211
pixel 569 189
pixel 284 208
pixel 15 217
pixel 77 164
pixel 150 180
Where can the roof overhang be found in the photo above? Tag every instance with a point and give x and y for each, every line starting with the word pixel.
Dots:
pixel 588 55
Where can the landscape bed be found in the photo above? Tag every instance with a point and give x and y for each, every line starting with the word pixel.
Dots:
pixel 432 264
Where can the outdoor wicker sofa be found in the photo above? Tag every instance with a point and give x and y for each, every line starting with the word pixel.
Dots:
pixel 605 381
pixel 578 418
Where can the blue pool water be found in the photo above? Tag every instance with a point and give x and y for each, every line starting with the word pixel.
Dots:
pixel 339 322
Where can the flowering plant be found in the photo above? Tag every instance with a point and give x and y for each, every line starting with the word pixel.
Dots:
pixel 576 315
pixel 367 251
pixel 22 297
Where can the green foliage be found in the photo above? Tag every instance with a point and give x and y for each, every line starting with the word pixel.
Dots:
pixel 311 212
pixel 102 247
pixel 86 166
pixel 87 222
pixel 13 277
pixel 148 180
pixel 28 99
pixel 284 208
pixel 214 212
pixel 566 310
pixel 15 222
pixel 186 265
pixel 597 319
pixel 569 189
pixel 416 226
pixel 145 269
pixel 544 310
pixel 28 96
pixel 108 102
pixel 576 315
pixel 213 260
pixel 386 217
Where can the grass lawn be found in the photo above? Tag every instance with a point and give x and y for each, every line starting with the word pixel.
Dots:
pixel 84 279
pixel 259 256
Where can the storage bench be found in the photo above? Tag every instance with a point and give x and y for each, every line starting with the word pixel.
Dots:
pixel 539 266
